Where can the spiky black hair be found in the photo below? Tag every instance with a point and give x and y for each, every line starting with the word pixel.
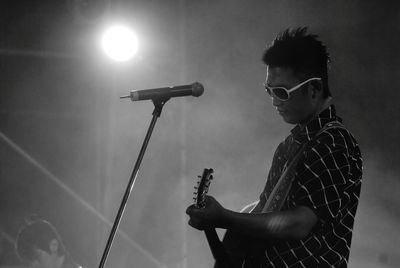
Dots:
pixel 300 51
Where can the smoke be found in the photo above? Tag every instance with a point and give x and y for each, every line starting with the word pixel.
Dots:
pixel 66 113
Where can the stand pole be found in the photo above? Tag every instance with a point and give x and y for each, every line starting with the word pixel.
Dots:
pixel 158 105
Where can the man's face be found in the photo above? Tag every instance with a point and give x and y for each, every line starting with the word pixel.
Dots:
pixel 301 106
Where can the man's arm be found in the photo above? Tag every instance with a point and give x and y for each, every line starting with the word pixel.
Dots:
pixel 289 224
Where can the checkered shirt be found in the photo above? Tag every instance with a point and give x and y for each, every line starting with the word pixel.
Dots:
pixel 328 180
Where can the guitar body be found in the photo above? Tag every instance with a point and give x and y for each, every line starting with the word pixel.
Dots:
pixel 240 248
pixel 234 246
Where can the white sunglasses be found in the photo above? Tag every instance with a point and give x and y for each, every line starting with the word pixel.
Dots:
pixel 282 93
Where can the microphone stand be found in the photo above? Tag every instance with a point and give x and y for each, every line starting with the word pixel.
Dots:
pixel 158 105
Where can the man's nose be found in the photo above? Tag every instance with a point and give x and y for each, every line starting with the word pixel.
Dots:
pixel 276 102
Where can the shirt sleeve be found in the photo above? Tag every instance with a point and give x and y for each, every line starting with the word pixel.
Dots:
pixel 321 177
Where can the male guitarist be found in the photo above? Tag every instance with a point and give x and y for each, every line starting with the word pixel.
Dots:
pixel 305 214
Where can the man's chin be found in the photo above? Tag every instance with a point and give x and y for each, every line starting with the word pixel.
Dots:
pixel 289 119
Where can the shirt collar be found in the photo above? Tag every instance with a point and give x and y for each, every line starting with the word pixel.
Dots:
pixel 304 134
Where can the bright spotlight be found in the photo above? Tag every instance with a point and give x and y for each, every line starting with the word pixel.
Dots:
pixel 120 43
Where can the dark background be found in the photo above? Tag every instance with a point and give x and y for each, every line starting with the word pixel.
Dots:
pixel 68 143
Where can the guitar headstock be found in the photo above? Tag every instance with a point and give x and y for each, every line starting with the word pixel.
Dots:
pixel 202 187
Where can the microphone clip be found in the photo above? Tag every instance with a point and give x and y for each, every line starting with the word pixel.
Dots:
pixel 158 105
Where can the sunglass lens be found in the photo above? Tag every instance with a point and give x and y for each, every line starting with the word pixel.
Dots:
pixel 280 93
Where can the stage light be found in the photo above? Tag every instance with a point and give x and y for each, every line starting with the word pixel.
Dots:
pixel 120 43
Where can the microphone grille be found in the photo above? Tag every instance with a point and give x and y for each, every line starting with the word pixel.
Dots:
pixel 197 89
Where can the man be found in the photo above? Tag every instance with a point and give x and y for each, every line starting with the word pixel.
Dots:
pixel 40 246
pixel 305 215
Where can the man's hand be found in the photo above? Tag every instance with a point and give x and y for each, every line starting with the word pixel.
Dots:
pixel 213 215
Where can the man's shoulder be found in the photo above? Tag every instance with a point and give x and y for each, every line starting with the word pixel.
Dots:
pixel 332 141
pixel 335 135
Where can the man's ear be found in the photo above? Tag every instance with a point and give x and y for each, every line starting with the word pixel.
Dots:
pixel 316 88
pixel 53 246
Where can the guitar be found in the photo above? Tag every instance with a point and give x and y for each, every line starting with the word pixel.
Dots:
pixel 217 248
pixel 231 252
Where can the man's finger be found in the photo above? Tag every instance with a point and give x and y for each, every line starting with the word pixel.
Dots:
pixel 190 209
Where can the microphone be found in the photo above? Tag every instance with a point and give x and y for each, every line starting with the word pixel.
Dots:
pixel 164 93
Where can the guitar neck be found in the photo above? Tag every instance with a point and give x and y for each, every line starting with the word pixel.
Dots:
pixel 218 249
